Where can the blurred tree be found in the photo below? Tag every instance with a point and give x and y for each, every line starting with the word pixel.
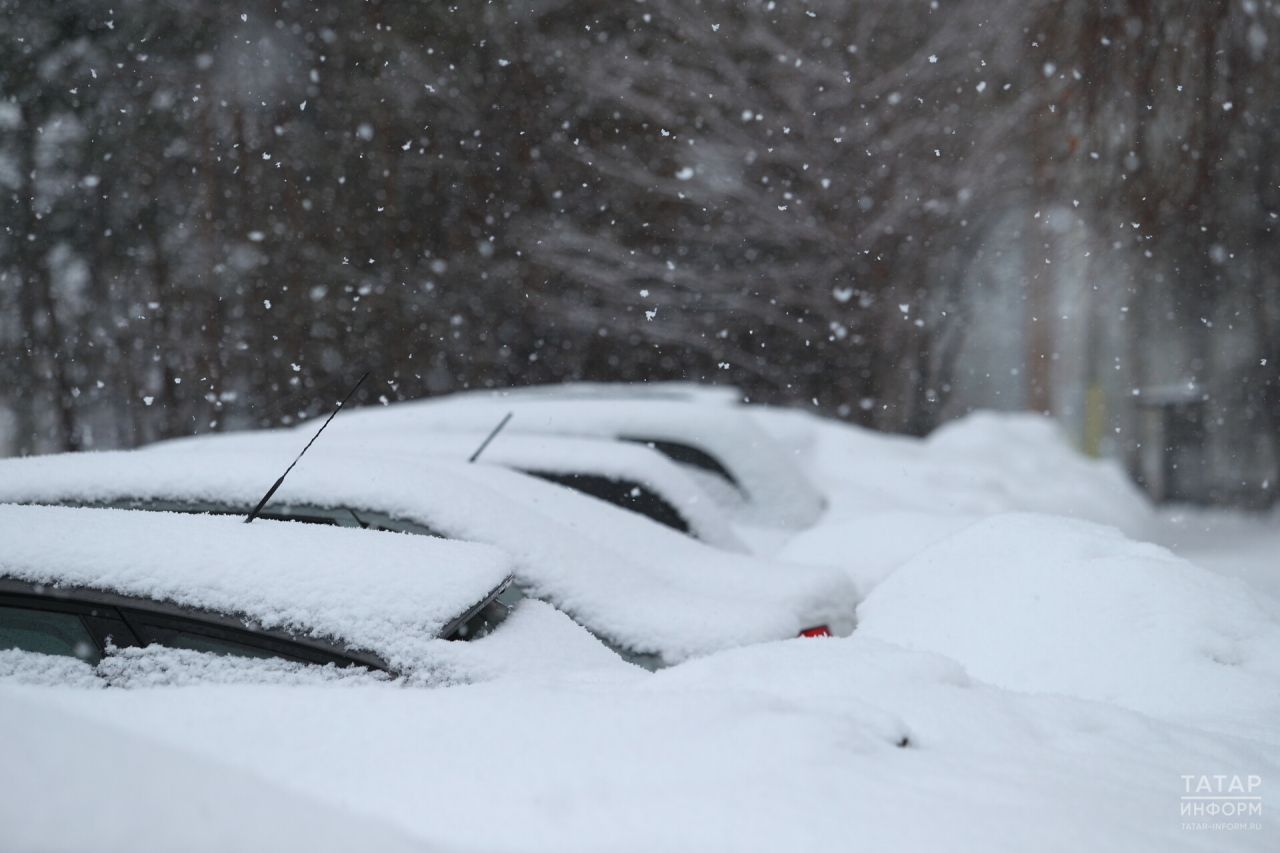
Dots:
pixel 1164 120
pixel 781 195
pixel 217 216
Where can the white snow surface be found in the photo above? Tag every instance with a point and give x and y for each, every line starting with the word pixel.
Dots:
pixel 381 592
pixel 23 667
pixel 790 745
pixel 777 492
pixel 1027 675
pixel 1229 543
pixel 891 496
pixel 69 784
pixel 1045 604
pixel 982 464
pixel 644 586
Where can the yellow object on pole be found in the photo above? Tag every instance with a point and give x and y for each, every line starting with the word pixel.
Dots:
pixel 1095 404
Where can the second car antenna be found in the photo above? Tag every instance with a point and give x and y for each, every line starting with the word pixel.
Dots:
pixel 271 491
pixel 491 437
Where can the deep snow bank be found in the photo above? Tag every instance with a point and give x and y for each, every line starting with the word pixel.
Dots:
pixel 1053 605
pixel 982 464
pixel 891 496
pixel 792 745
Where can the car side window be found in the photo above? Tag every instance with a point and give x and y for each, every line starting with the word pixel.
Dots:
pixel 49 632
pixel 176 632
pixel 627 494
pixel 62 623
pixel 685 454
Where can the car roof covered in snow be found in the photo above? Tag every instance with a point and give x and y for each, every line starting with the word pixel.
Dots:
pixel 690 392
pixel 551 454
pixel 378 592
pixel 777 493
pixel 632 581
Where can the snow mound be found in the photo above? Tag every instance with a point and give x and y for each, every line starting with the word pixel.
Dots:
pixel 982 464
pixel 380 592
pixel 892 496
pixel 1051 605
pixel 1002 462
pixel 535 642
pixel 871 545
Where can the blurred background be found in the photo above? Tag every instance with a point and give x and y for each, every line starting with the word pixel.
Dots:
pixel 217 215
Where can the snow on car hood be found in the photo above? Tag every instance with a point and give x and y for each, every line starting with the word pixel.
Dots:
pixel 378 592
pixel 630 580
pixel 777 492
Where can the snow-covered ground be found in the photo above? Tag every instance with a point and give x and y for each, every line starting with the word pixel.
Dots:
pixel 1232 544
pixel 1033 670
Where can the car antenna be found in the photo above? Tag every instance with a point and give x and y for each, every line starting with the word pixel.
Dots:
pixel 271 491
pixel 491 437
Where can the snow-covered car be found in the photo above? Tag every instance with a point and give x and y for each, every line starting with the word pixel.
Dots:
pixel 90 584
pixel 652 594
pixel 720 446
pixel 627 475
